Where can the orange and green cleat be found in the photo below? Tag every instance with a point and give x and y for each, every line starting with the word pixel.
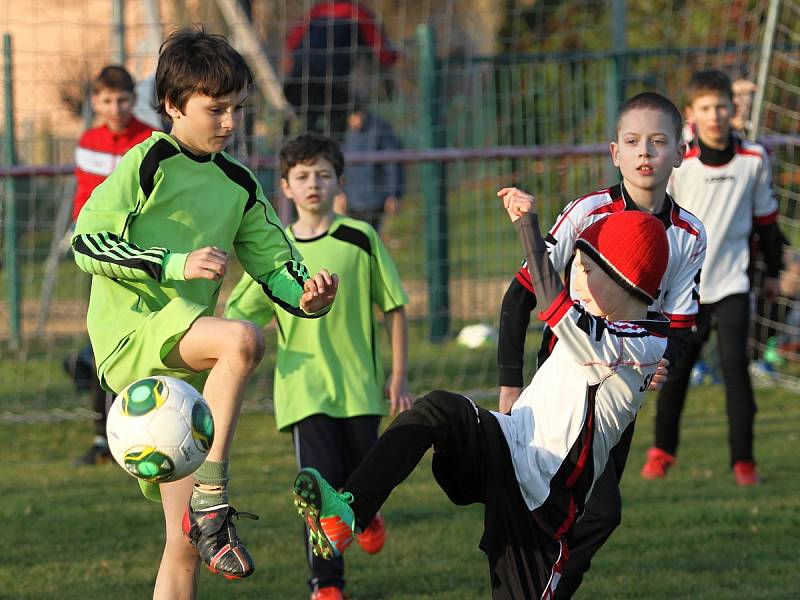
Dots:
pixel 330 520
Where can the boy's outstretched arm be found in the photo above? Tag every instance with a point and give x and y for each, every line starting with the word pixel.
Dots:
pixel 400 398
pixel 520 207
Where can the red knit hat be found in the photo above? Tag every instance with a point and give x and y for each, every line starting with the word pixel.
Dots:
pixel 632 247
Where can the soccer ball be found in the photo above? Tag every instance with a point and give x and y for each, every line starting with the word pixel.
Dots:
pixel 159 429
pixel 476 335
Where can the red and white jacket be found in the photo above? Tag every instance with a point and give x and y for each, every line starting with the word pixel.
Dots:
pixel 98 153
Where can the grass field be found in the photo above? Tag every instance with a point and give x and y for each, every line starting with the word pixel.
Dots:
pixel 87 533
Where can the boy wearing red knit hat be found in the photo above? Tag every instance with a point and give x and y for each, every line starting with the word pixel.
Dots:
pixel 534 468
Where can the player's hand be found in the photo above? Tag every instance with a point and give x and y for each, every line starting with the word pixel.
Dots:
pixel 517 202
pixel 770 288
pixel 508 395
pixel 660 376
pixel 400 398
pixel 319 291
pixel 206 263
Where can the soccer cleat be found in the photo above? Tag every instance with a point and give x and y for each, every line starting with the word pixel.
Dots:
pixel 95 455
pixel 327 593
pixel 745 472
pixel 212 532
pixel 657 464
pixel 374 536
pixel 330 520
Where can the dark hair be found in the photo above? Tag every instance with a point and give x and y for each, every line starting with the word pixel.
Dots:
pixel 115 78
pixel 192 61
pixel 653 101
pixel 709 82
pixel 306 148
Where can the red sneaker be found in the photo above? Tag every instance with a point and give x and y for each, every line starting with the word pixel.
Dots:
pixel 374 536
pixel 657 463
pixel 327 593
pixel 745 472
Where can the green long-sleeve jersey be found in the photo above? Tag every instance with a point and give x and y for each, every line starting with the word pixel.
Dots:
pixel 160 204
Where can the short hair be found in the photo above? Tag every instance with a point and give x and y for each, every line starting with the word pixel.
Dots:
pixel 115 78
pixel 653 101
pixel 711 81
pixel 306 148
pixel 192 61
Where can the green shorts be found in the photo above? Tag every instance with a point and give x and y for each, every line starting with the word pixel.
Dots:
pixel 143 352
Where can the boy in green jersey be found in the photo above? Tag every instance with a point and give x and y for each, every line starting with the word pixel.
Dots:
pixel 156 235
pixel 329 381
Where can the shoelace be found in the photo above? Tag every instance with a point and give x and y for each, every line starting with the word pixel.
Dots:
pixel 239 515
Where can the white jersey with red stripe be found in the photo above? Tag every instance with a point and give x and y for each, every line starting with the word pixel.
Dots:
pixel 678 297
pixel 729 198
pixel 574 411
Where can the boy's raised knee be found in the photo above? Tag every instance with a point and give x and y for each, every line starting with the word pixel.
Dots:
pixel 247 341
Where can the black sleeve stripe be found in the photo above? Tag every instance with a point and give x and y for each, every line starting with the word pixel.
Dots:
pixel 298 271
pixel 159 151
pixel 125 250
pixel 292 310
pixel 353 236
pixel 242 177
pixel 87 245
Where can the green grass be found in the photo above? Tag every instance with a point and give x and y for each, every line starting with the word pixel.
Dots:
pixel 87 533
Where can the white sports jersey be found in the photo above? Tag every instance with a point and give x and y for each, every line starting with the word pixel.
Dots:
pixel 678 295
pixel 729 198
pixel 566 422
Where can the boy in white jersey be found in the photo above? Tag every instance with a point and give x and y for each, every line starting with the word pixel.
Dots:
pixel 646 150
pixel 726 182
pixel 329 379
pixel 533 469
pixel 155 235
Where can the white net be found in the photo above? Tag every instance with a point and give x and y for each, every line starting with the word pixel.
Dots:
pixel 776 336
pixel 480 94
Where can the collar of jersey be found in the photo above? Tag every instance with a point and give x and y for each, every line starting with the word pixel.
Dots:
pixel 654 323
pixel 334 224
pixel 202 158
pixel 717 158
pixel 664 215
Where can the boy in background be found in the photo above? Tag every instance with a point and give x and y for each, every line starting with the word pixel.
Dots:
pixel 155 236
pixel 99 150
pixel 726 182
pixel 646 150
pixel 534 468
pixel 329 380
pixel 371 189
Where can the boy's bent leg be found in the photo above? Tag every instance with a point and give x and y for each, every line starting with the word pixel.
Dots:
pixel 231 350
pixel 334 517
pixel 440 419
pixel 178 572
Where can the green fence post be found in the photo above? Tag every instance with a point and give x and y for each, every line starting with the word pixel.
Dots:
pixel 10 232
pixel 434 188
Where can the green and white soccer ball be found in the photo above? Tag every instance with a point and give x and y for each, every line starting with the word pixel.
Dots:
pixel 159 429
